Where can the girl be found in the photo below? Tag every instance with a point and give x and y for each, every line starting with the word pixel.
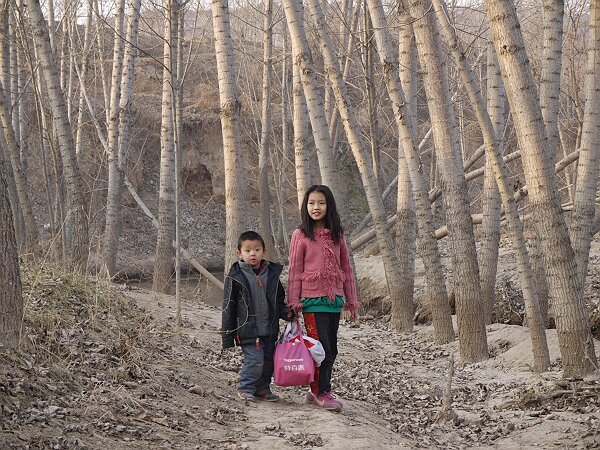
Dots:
pixel 321 283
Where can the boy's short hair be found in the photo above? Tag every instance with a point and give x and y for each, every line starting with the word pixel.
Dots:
pixel 250 236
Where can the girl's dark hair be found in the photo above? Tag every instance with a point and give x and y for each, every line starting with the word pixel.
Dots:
pixel 332 218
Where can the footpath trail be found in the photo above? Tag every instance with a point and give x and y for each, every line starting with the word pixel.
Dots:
pixel 227 422
pixel 392 388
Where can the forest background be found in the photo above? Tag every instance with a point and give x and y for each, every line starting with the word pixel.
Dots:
pixel 140 139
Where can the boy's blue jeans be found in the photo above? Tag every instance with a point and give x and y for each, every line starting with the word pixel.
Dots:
pixel 257 369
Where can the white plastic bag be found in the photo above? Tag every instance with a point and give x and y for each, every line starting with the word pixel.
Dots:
pixel 314 346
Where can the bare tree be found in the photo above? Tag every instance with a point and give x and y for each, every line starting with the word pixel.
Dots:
pixel 113 195
pixel 494 156
pixel 406 225
pixel 301 155
pixel 426 243
pixel 76 201
pixel 11 294
pixel 265 136
pixel 402 312
pixel 565 289
pixel 490 229
pixel 302 57
pixel 589 152
pixel 164 254
pixel 230 118
pixel 469 311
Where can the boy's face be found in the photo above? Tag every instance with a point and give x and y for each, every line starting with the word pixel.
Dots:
pixel 251 252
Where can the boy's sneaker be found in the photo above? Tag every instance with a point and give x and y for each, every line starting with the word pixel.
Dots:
pixel 327 401
pixel 267 397
pixel 310 397
pixel 246 396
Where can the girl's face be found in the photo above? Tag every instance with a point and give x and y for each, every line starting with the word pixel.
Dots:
pixel 317 207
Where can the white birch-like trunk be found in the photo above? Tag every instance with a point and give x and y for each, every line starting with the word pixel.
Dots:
pixel 469 310
pixel 314 98
pixel 565 289
pixel 78 250
pixel 165 253
pixel 402 313
pixel 589 152
pixel 301 155
pixel 266 230
pixel 113 197
pixel 230 127
pixel 494 156
pixel 426 243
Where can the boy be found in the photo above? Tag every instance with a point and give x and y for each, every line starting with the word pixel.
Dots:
pixel 254 301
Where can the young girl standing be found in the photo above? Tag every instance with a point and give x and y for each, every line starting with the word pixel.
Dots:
pixel 321 283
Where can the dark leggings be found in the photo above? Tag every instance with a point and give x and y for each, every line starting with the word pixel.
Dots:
pixel 324 327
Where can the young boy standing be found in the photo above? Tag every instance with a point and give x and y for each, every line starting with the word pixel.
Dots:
pixel 254 301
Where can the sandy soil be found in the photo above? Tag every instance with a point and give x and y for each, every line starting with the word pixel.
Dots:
pixel 125 378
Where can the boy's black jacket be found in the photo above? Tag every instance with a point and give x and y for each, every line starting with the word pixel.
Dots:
pixel 239 324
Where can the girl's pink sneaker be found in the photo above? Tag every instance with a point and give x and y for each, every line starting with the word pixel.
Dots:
pixel 327 401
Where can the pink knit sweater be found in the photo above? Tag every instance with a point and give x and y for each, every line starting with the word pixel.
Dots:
pixel 320 268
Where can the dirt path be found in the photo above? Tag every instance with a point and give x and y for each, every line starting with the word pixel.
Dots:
pixel 105 370
pixel 391 387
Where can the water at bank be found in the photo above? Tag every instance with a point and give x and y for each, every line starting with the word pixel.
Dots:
pixel 192 288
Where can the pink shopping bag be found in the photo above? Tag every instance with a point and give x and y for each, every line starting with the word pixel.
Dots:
pixel 294 365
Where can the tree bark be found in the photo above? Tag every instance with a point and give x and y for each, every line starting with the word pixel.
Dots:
pixel 230 127
pixel 490 240
pixel 302 57
pixel 565 289
pixel 11 294
pixel 164 256
pixel 301 156
pixel 78 249
pixel 469 310
pixel 426 243
pixel 406 225
pixel 266 230
pixel 589 153
pixel 402 313
pixel 494 156
pixel 113 197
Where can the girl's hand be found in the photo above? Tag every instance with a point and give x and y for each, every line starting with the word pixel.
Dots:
pixel 353 315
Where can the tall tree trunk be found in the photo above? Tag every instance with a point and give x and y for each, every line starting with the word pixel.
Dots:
pixel 371 102
pixel 494 156
pixel 163 261
pixel 87 38
pixel 406 225
pixel 426 243
pixel 230 126
pixel 11 294
pixel 469 310
pixel 78 249
pixel 402 313
pixel 490 228
pixel 553 13
pixel 302 57
pixel 265 135
pixel 115 183
pixel 12 147
pixel 301 156
pixel 565 289
pixel 589 152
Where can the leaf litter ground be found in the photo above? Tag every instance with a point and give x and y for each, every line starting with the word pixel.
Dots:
pixel 104 368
